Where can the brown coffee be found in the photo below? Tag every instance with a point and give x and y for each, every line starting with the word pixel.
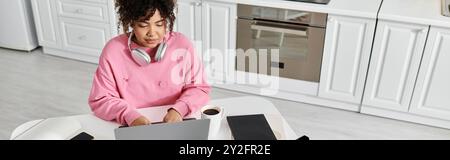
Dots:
pixel 211 112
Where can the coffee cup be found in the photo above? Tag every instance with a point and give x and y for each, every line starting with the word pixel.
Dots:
pixel 215 114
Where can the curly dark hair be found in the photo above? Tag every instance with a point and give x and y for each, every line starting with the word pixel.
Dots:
pixel 130 11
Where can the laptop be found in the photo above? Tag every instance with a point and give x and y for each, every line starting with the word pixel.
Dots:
pixel 186 130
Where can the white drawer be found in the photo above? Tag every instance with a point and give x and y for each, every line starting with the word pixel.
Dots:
pixel 72 9
pixel 89 1
pixel 84 37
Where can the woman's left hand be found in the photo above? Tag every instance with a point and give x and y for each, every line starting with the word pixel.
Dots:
pixel 172 116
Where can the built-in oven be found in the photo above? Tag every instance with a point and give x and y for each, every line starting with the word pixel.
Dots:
pixel 296 36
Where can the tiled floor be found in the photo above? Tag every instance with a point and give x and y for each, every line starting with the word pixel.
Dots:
pixel 35 86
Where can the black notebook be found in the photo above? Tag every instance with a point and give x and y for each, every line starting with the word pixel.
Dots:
pixel 250 127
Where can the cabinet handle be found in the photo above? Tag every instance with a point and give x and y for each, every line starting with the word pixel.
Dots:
pixel 79 11
pixel 83 37
pixel 197 3
pixel 330 19
pixel 424 30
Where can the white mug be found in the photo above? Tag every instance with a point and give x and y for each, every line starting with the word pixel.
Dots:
pixel 215 114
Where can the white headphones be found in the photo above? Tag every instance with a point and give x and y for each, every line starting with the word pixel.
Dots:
pixel 141 57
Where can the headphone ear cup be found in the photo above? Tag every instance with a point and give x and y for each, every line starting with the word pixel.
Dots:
pixel 140 57
pixel 161 52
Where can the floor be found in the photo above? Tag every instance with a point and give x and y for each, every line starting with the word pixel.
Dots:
pixel 35 86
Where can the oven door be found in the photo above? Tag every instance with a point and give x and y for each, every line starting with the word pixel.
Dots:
pixel 300 48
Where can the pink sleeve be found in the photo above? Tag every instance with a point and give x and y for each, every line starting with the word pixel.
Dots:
pixel 196 90
pixel 105 100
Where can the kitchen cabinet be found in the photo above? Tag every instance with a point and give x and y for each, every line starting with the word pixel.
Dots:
pixel 212 27
pixel 188 19
pixel 74 29
pixel 408 76
pixel 219 39
pixel 431 96
pixel 409 70
pixel 86 38
pixel 348 44
pixel 395 61
pixel 45 21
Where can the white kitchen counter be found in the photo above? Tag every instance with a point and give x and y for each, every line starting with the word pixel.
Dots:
pixel 356 8
pixel 426 12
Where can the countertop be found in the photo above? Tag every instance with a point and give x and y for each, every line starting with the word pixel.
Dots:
pixel 355 8
pixel 427 12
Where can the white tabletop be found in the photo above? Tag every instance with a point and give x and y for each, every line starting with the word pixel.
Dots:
pixel 104 130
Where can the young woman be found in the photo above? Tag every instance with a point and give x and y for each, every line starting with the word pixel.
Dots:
pixel 148 66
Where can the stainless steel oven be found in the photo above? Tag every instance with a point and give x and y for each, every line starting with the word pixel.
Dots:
pixel 297 35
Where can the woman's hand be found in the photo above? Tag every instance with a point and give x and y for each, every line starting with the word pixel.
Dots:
pixel 173 116
pixel 140 121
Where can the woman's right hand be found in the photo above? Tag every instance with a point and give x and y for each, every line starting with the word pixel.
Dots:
pixel 140 121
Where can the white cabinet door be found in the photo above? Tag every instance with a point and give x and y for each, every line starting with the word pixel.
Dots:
pixel 394 65
pixel 432 91
pixel 219 38
pixel 188 19
pixel 87 38
pixel 45 21
pixel 346 55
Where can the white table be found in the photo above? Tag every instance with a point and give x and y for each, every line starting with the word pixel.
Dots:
pixel 104 130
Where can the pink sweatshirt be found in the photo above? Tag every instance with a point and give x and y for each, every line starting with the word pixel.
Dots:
pixel 121 86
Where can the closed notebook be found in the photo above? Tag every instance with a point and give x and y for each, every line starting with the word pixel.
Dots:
pixel 250 127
